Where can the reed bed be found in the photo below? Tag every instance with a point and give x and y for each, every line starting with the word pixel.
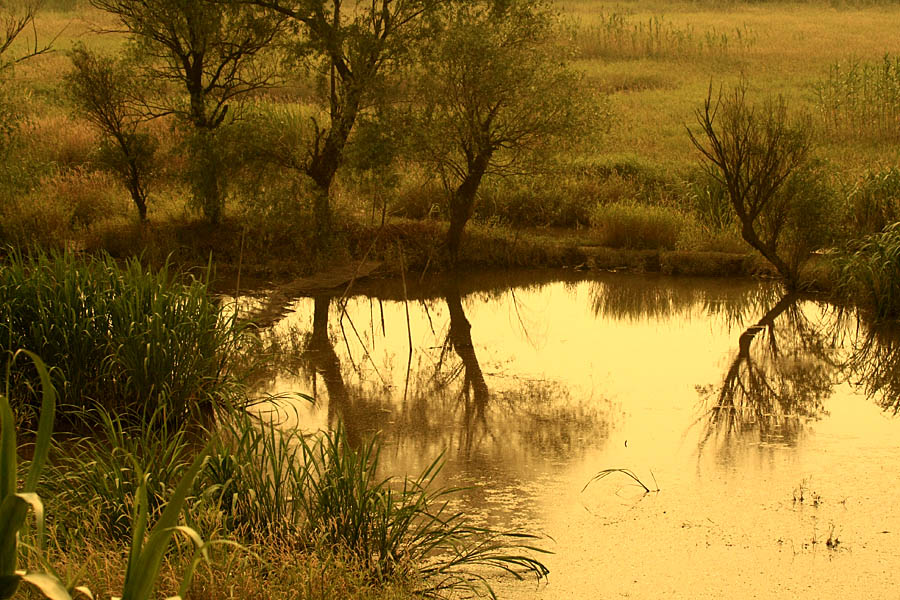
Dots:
pixel 638 226
pixel 861 99
pixel 120 337
pixel 869 272
pixel 323 493
pixel 617 35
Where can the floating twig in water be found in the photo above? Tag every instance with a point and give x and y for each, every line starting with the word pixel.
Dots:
pixel 628 472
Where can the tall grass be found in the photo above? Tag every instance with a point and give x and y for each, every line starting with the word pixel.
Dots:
pixel 861 99
pixel 124 338
pixel 869 272
pixel 619 35
pixel 873 202
pixel 637 226
pixel 325 495
pixel 97 479
pixel 403 529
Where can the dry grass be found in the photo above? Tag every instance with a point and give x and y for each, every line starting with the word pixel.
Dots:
pixel 654 85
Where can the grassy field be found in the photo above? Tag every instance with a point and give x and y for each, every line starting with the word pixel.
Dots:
pixel 652 64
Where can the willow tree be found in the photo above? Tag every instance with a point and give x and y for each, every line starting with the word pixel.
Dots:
pixel 16 19
pixel 210 52
pixel 102 90
pixel 350 46
pixel 762 157
pixel 494 95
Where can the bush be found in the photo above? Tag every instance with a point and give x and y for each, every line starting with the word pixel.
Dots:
pixel 123 338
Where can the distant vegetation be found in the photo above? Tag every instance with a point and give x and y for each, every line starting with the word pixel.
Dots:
pixel 286 151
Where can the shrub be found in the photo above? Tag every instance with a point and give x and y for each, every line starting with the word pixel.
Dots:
pixel 637 226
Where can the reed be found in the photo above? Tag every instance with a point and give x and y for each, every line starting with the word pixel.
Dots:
pixel 638 226
pixel 861 99
pixel 406 529
pixel 873 202
pixel 97 479
pixel 869 272
pixel 274 485
pixel 127 339
pixel 617 35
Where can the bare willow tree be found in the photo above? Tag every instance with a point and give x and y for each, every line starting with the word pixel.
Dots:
pixel 103 91
pixel 211 53
pixel 350 46
pixel 493 94
pixel 754 151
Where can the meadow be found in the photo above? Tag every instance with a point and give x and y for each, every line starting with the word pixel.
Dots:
pixel 634 180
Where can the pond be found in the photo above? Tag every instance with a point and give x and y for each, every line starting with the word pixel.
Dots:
pixel 766 423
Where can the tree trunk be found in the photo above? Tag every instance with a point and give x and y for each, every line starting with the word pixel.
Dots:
pixel 460 335
pixel 769 252
pixel 326 161
pixel 135 189
pixel 462 203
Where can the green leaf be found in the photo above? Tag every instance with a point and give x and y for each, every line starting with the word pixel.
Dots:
pixel 45 423
pixel 141 574
pixel 7 449
pixel 49 586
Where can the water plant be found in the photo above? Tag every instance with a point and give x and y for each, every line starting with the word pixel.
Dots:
pixel 101 477
pixel 324 494
pixel 870 272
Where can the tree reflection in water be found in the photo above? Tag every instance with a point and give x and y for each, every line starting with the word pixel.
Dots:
pixel 782 372
pixel 874 364
pixel 474 394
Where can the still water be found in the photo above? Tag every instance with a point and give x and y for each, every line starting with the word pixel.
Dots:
pixel 767 423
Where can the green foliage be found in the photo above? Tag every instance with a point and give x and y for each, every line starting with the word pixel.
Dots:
pixel 145 556
pixel 396 530
pixel 125 338
pixel 255 477
pixel 873 202
pixel 99 477
pixel 860 99
pixel 14 503
pixel 870 272
pixel 277 484
pixel 637 226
